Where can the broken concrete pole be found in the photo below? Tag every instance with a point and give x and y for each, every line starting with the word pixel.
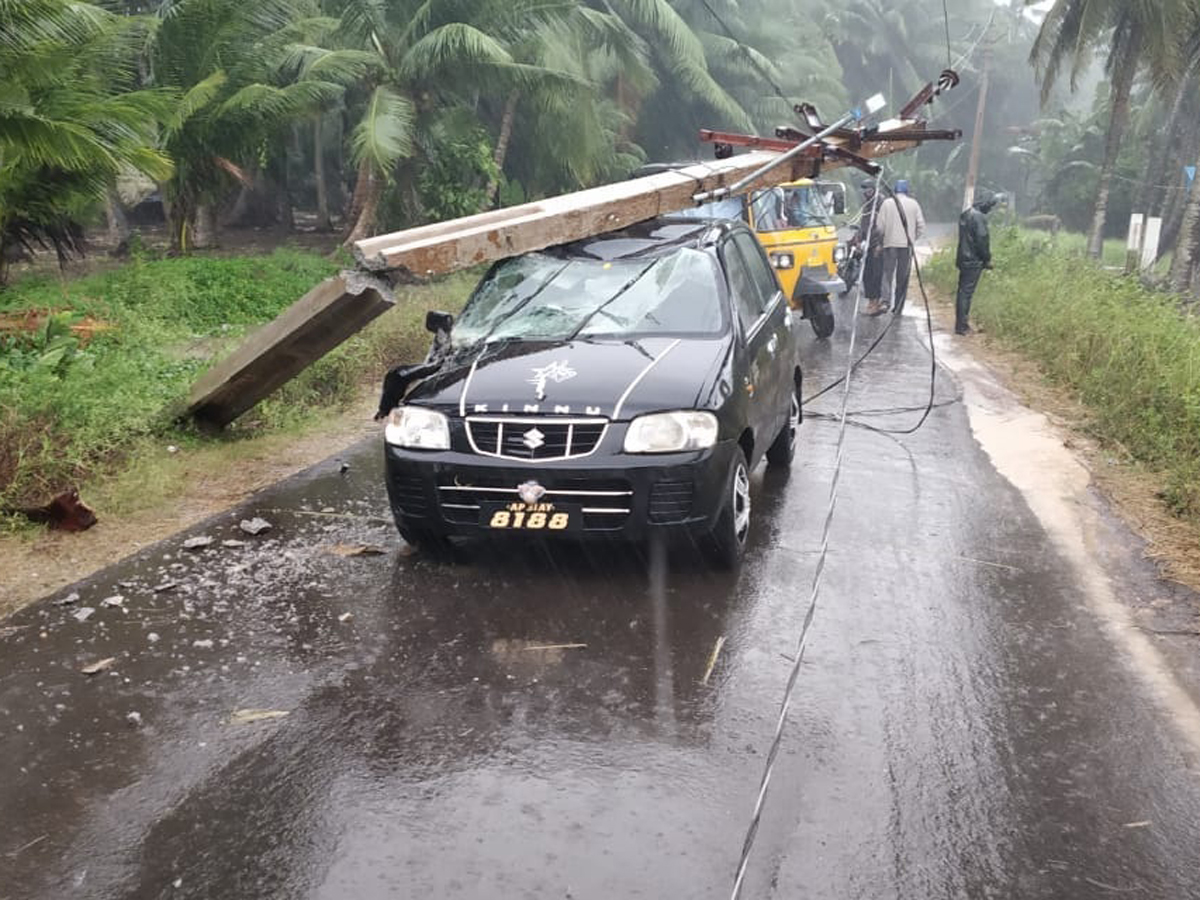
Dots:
pixel 312 326
pixel 461 243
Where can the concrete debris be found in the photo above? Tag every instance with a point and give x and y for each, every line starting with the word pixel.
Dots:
pixel 98 666
pixel 197 543
pixel 206 644
pixel 83 613
pixel 346 617
pixel 134 719
pixel 248 716
pixel 114 600
pixel 153 637
pixel 254 526
pixel 165 586
pixel 72 597
pixel 357 550
pixel 233 544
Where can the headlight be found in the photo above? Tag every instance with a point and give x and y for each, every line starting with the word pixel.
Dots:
pixel 417 428
pixel 670 432
pixel 839 253
pixel 782 260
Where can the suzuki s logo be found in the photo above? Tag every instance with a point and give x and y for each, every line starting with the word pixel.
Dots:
pixel 557 372
pixel 533 439
pixel 531 492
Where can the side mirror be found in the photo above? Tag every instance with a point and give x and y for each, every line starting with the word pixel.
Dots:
pixel 436 321
pixel 839 203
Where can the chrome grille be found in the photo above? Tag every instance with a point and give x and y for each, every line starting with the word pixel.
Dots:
pixel 534 439
pixel 605 503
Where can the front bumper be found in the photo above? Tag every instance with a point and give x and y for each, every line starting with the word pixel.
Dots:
pixel 631 497
pixel 817 280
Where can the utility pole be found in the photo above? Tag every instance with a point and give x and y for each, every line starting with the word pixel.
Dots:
pixel 977 137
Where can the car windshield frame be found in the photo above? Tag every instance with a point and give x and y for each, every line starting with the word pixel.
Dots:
pixel 555 298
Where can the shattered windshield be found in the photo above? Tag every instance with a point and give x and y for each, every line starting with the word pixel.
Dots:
pixel 543 297
pixel 790 206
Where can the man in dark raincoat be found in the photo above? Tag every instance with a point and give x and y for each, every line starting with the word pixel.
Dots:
pixel 974 255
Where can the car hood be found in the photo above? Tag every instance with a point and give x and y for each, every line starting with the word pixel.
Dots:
pixel 611 378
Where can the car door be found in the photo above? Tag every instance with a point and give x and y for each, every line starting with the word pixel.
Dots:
pixel 776 380
pixel 759 343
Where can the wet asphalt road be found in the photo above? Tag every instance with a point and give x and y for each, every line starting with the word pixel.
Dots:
pixel 963 727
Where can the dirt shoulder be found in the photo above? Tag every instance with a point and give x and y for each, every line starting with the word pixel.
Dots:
pixel 203 482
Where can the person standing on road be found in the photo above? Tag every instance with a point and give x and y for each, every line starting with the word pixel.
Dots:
pixel 901 223
pixel 973 256
pixel 872 276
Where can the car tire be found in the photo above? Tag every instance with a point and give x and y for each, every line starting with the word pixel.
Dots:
pixel 819 312
pixel 783 450
pixel 726 543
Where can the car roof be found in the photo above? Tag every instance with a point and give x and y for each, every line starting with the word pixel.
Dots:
pixel 644 240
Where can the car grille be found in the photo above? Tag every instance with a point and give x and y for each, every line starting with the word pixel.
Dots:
pixel 671 501
pixel 606 503
pixel 535 439
pixel 408 493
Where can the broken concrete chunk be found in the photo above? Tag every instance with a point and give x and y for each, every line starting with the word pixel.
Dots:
pixel 98 666
pixel 134 719
pixel 72 597
pixel 83 613
pixel 165 586
pixel 254 526
pixel 346 617
pixel 247 716
pixel 197 543
pixel 233 544
pixel 357 550
pixel 206 644
pixel 114 600
pixel 153 637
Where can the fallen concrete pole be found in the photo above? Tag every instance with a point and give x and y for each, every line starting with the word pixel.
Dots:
pixel 308 329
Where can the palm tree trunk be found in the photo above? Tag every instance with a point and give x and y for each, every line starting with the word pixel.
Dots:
pixel 1185 246
pixel 323 223
pixel 506 129
pixel 204 227
pixel 365 205
pixel 1156 175
pixel 1124 70
pixel 114 214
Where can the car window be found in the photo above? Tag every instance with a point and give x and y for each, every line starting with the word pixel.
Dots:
pixel 790 206
pixel 542 296
pixel 727 208
pixel 760 270
pixel 747 297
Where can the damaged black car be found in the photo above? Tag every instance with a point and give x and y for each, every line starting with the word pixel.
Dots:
pixel 623 386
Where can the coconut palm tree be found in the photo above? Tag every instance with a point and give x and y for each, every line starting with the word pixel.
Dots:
pixel 225 59
pixel 69 122
pixel 1136 32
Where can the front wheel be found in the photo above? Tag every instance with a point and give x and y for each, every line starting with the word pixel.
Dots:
pixel 819 312
pixel 424 540
pixel 726 543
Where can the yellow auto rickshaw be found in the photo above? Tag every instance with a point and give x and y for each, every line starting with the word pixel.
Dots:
pixel 794 224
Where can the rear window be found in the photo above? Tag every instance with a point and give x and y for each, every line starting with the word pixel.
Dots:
pixel 544 297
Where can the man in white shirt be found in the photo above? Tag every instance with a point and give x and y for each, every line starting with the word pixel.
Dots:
pixel 901 223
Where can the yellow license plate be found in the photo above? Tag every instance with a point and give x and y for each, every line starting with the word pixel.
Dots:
pixel 527 517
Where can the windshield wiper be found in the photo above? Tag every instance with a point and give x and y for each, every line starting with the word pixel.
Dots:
pixel 520 306
pixel 607 303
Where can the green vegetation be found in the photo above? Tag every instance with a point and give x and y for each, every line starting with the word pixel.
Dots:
pixel 1126 352
pixel 72 407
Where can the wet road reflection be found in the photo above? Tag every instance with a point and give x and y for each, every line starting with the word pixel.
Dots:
pixel 533 723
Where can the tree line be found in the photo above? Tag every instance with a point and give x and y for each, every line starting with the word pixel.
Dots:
pixel 378 114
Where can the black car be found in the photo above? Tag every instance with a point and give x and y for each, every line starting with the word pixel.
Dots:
pixel 621 386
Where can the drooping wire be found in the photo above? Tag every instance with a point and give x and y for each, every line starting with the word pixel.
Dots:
pixel 814 596
pixel 762 72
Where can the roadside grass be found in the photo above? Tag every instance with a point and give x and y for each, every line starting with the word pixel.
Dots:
pixel 1129 354
pixel 99 413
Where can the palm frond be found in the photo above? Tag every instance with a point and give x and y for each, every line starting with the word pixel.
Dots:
pixel 385 134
